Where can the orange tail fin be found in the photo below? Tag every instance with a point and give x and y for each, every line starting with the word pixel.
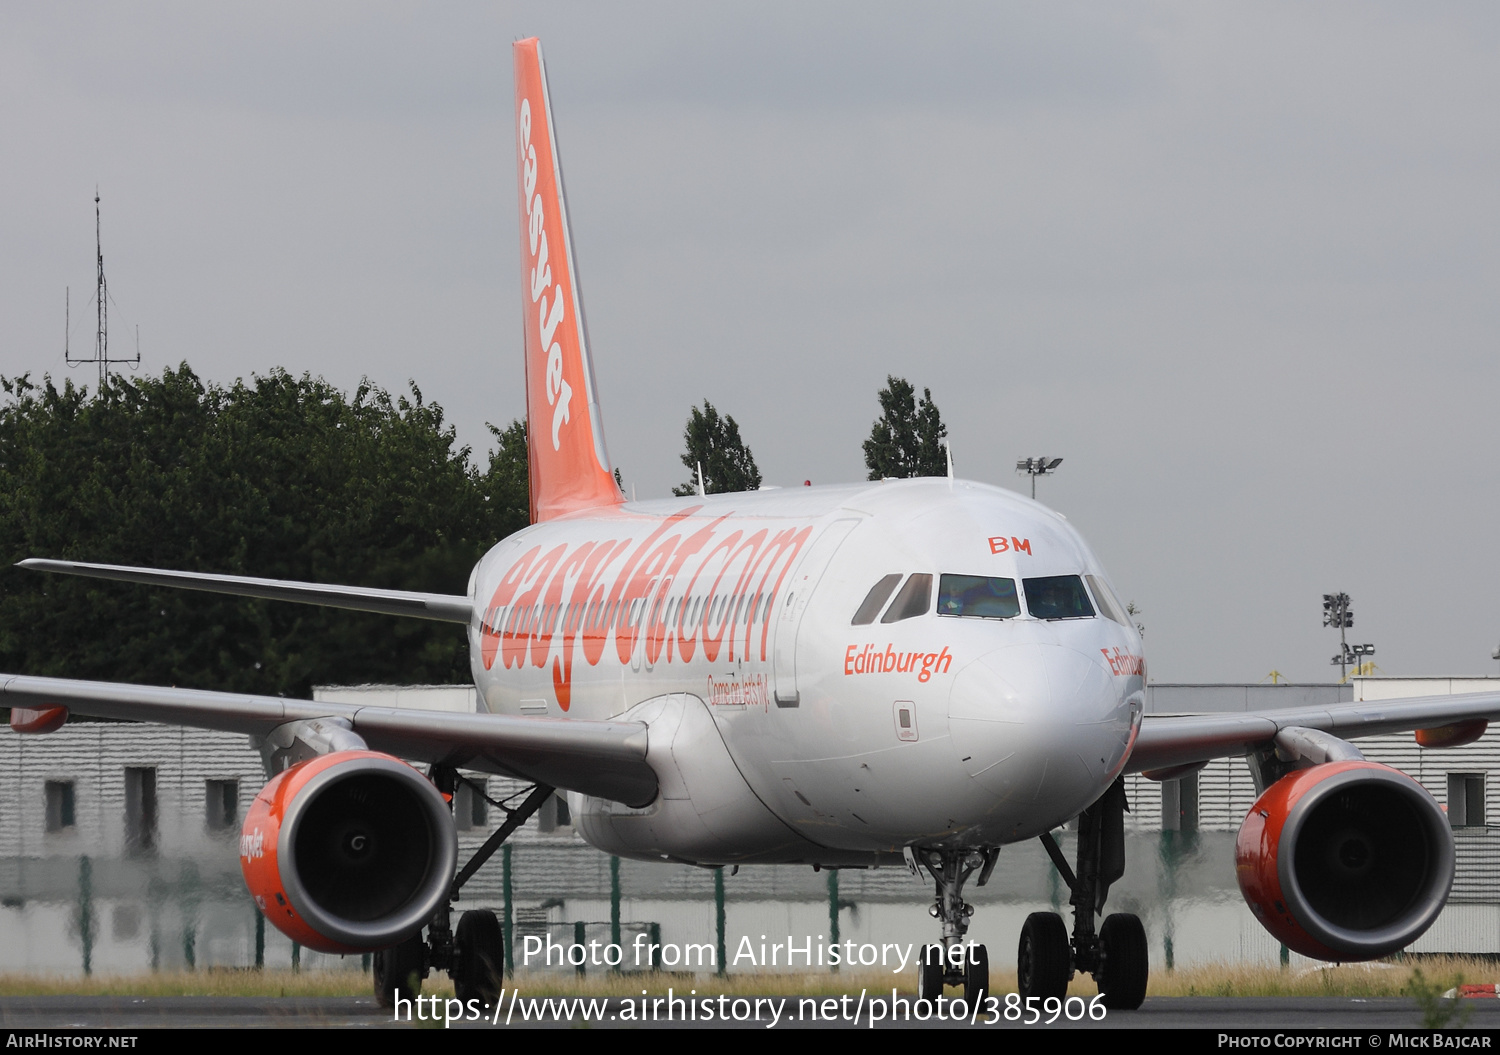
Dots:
pixel 570 467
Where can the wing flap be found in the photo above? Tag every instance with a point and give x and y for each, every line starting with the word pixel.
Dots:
pixel 1172 740
pixel 605 759
pixel 446 608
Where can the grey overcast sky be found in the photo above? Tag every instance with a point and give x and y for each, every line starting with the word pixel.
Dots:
pixel 1235 262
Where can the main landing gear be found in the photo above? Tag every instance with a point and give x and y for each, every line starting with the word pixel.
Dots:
pixel 953 963
pixel 1116 956
pixel 474 954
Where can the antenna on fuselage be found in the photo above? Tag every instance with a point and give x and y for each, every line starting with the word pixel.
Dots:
pixel 948 453
pixel 702 493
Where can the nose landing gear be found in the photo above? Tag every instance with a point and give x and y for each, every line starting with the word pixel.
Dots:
pixel 1117 955
pixel 953 963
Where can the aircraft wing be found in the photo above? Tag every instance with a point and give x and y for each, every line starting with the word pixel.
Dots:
pixel 446 608
pixel 606 759
pixel 1174 740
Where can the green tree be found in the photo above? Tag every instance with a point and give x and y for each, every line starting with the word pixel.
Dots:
pixel 280 477
pixel 714 442
pixel 507 483
pixel 907 438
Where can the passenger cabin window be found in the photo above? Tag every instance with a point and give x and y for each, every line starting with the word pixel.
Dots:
pixel 875 600
pixel 914 599
pixel 978 597
pixel 1057 597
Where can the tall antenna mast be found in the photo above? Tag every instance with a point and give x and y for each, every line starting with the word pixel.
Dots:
pixel 101 298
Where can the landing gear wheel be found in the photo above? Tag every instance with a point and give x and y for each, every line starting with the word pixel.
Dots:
pixel 478 957
pixel 398 971
pixel 1044 959
pixel 976 976
pixel 1125 966
pixel 930 972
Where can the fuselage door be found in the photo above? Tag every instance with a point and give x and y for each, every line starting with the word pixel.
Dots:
pixel 792 604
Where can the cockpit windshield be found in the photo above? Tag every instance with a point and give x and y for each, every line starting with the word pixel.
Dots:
pixel 1108 604
pixel 912 601
pixel 978 596
pixel 1057 597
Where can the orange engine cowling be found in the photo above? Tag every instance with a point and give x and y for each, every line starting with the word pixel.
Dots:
pixel 1345 861
pixel 349 852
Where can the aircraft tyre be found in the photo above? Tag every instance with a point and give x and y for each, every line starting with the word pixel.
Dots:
pixel 930 973
pixel 1044 959
pixel 398 971
pixel 478 958
pixel 976 976
pixel 1126 966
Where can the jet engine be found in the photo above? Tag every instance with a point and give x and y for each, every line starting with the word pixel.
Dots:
pixel 349 852
pixel 1345 861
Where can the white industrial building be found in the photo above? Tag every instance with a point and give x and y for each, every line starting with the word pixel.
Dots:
pixel 118 851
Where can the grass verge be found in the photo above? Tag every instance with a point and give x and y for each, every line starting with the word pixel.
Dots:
pixel 1379 979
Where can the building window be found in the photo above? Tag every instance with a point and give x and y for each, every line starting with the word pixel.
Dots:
pixel 140 809
pixel 222 805
pixel 1466 800
pixel 60 815
pixel 1179 804
pixel 470 810
pixel 127 922
pixel 553 814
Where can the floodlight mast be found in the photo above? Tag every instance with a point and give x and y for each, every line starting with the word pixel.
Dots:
pixel 1034 467
pixel 1336 612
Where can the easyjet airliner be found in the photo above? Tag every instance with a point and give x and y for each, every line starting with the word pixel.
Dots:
pixel 910 673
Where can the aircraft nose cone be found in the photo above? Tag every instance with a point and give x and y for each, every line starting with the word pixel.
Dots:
pixel 1039 724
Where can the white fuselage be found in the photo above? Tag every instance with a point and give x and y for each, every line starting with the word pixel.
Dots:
pixel 781 731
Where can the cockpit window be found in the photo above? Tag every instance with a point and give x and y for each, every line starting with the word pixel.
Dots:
pixel 875 600
pixel 1057 597
pixel 978 596
pixel 1109 604
pixel 914 599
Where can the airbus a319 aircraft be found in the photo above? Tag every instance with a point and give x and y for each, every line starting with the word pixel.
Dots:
pixel 909 673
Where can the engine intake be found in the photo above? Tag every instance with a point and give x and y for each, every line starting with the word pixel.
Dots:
pixel 1345 861
pixel 349 852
